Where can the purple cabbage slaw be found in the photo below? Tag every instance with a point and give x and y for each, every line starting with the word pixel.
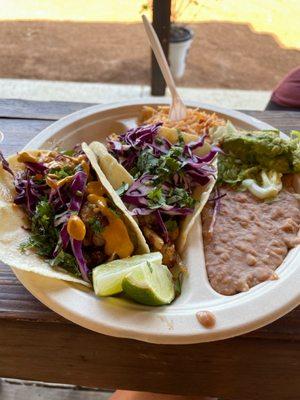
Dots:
pixel 194 171
pixel 65 200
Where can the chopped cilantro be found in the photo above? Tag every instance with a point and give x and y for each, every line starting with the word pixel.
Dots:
pixel 182 197
pixel 180 137
pixel 163 167
pixel 156 198
pixel 62 173
pixel 114 209
pixel 95 225
pixel 69 153
pixel 171 225
pixel 147 162
pixel 67 262
pixel 44 235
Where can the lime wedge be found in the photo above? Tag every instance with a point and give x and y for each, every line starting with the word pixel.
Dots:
pixel 151 285
pixel 107 278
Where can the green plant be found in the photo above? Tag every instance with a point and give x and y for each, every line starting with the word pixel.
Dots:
pixel 178 7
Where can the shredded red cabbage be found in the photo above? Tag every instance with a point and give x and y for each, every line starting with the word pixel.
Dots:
pixel 190 170
pixel 77 190
pixel 77 251
pixel 162 227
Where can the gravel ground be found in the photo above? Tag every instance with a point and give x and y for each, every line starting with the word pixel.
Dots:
pixel 223 55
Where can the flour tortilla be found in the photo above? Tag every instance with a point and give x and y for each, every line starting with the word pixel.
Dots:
pixel 13 220
pixel 133 228
pixel 117 174
pixel 113 171
pixel 12 233
pixel 201 194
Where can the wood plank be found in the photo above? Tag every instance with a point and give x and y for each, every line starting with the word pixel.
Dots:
pixel 30 109
pixel 282 120
pixel 240 368
pixel 161 25
pixel 53 110
pixel 18 132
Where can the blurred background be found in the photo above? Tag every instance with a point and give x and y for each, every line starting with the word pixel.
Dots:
pixel 239 50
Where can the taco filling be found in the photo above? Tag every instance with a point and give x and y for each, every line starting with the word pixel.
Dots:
pixel 170 171
pixel 71 218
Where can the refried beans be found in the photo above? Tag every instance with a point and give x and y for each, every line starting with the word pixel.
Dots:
pixel 250 238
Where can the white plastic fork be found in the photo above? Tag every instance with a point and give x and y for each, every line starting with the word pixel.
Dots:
pixel 177 109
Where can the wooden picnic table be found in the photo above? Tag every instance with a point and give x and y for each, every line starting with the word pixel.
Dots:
pixel 37 344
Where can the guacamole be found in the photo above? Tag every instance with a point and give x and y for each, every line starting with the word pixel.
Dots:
pixel 248 153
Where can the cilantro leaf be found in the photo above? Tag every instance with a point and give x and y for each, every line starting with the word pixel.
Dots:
pixel 95 225
pixel 171 225
pixel 67 262
pixel 156 198
pixel 63 172
pixel 181 197
pixel 146 163
pixel 44 235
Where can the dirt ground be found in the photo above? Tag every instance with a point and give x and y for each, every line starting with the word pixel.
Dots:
pixel 223 55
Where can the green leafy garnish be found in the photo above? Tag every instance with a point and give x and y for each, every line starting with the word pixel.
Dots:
pixel 181 197
pixel 171 225
pixel 156 198
pixel 44 235
pixel 146 163
pixel 114 210
pixel 95 225
pixel 163 167
pixel 63 172
pixel 67 262
pixel 69 153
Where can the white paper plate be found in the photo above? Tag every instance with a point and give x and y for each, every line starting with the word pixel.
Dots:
pixel 177 323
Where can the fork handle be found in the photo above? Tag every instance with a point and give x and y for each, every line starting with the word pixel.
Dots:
pixel 160 56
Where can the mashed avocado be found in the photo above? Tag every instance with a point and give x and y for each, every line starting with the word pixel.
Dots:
pixel 265 149
pixel 256 158
pixel 247 153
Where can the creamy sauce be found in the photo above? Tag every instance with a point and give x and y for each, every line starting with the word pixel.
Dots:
pixel 115 234
pixel 250 239
pixel 206 319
